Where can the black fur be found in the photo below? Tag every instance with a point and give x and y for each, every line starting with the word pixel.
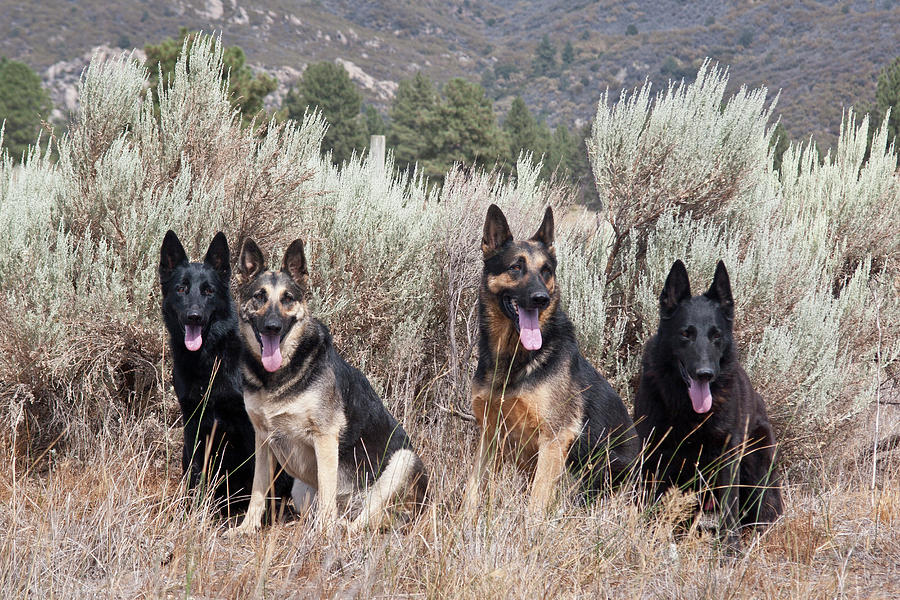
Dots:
pixel 732 443
pixel 213 415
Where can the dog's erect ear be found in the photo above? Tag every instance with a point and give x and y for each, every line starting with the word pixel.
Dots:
pixel 219 257
pixel 720 291
pixel 294 263
pixel 676 290
pixel 171 255
pixel 496 231
pixel 252 261
pixel 544 233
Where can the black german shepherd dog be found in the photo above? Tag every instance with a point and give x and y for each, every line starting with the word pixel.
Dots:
pixel 206 350
pixel 696 409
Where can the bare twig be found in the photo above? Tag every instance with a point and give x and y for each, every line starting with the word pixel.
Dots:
pixel 456 413
pixel 877 386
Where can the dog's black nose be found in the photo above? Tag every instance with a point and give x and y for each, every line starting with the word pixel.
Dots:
pixel 272 327
pixel 705 374
pixel 540 300
pixel 193 317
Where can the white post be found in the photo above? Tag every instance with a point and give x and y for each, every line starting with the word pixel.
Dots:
pixel 376 151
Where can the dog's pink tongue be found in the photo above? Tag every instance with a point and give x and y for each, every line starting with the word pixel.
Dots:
pixel 700 395
pixel 529 329
pixel 193 337
pixel 271 352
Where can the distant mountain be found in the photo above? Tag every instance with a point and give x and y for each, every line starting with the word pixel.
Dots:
pixel 823 56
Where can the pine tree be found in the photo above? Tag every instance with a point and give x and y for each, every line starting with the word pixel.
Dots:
pixel 327 86
pixel 560 153
pixel 465 130
pixel 581 174
pixel 413 115
pixel 247 90
pixel 23 103
pixel 887 97
pixel 374 123
pixel 568 54
pixel 544 62
pixel 488 78
pixel 521 129
pixel 779 143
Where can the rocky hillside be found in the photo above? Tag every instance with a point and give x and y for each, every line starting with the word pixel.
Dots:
pixel 823 55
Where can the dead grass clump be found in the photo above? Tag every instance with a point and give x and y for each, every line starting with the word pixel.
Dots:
pixel 798 538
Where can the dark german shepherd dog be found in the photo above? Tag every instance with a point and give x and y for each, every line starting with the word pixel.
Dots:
pixel 535 397
pixel 311 410
pixel 695 408
pixel 206 348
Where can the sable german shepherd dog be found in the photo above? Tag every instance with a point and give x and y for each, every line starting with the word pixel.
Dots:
pixel 311 410
pixel 696 409
pixel 535 397
pixel 206 348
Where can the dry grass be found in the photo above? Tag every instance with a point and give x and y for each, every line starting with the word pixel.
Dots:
pixel 116 524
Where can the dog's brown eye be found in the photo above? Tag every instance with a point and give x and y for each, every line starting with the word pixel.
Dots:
pixel 207 291
pixel 547 272
pixel 260 295
pixel 685 334
pixel 514 268
pixel 181 288
pixel 287 299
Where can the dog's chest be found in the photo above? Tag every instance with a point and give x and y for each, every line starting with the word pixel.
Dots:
pixel 526 416
pixel 291 426
pixel 298 418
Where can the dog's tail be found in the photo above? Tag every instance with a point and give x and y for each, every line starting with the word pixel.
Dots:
pixel 419 489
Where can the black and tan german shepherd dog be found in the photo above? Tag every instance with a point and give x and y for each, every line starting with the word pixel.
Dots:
pixel 310 409
pixel 696 409
pixel 537 400
pixel 206 348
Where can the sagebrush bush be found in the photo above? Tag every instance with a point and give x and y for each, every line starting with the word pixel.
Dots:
pixel 808 250
pixel 395 262
pixel 81 235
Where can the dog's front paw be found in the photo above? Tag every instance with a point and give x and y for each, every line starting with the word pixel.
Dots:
pixel 240 531
pixel 469 507
pixel 333 529
pixel 358 525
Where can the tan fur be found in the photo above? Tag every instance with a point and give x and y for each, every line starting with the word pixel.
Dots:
pixel 395 476
pixel 303 434
pixel 534 427
pixel 298 310
pixel 302 431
